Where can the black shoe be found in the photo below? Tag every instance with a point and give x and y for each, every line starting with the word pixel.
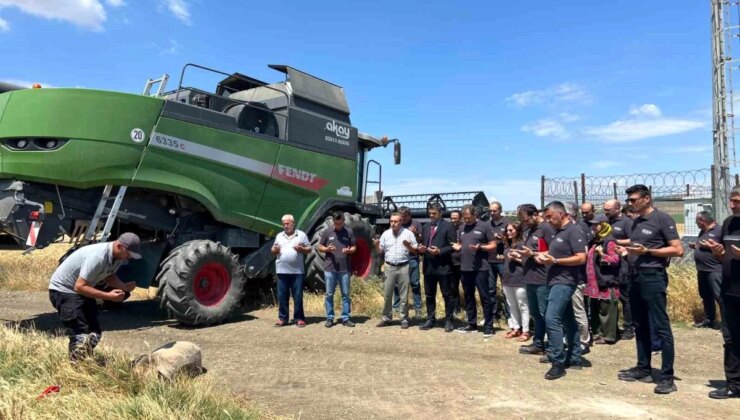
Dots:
pixel 488 332
pixel 449 326
pixel 555 372
pixel 531 349
pixel 427 325
pixel 627 334
pixel 383 323
pixel 329 323
pixel 583 363
pixel 635 375
pixel 585 349
pixel 665 386
pixel 470 328
pixel 545 359
pixel 704 324
pixel 404 324
pixel 723 394
pixel 348 323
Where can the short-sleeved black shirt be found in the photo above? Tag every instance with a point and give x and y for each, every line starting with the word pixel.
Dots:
pixel 498 228
pixel 653 231
pixel 621 227
pixel 513 272
pixel 703 257
pixel 456 254
pixel 416 224
pixel 479 233
pixel 568 241
pixel 731 266
pixel 536 273
pixel 337 262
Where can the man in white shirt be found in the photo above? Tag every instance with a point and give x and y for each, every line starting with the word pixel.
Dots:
pixel 290 246
pixel 398 244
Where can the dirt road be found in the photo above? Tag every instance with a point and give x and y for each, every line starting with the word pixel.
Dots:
pixel 367 372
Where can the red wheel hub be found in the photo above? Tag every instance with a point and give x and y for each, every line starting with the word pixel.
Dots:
pixel 211 284
pixel 362 259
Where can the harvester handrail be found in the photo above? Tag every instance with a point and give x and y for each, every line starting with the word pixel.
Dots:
pixel 287 97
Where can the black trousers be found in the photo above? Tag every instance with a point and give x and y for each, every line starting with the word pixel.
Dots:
pixel 709 290
pixel 455 286
pixel 624 296
pixel 731 333
pixel 79 315
pixel 472 280
pixel 648 299
pixel 430 292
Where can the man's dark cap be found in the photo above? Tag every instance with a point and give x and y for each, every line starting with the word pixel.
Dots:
pixel 599 218
pixel 132 243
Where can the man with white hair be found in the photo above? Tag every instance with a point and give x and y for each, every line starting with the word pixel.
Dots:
pixel 290 246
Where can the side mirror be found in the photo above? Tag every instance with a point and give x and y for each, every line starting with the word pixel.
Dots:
pixel 397 153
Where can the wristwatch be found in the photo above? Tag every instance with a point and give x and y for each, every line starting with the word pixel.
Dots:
pixel 648 252
pixel 555 261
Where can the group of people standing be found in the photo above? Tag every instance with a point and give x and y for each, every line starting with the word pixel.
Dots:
pixel 562 275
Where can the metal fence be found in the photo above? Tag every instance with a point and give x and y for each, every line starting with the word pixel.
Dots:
pixel 681 193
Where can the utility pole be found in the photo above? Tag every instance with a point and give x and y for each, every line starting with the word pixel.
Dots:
pixel 724 33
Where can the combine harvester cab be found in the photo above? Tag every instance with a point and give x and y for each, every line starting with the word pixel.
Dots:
pixel 202 177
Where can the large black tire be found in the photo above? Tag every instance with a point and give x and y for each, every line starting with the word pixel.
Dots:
pixel 201 283
pixel 365 261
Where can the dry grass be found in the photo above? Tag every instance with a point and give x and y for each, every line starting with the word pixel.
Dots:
pixel 31 361
pixel 31 272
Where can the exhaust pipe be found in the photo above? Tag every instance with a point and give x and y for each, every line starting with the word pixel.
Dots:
pixel 7 87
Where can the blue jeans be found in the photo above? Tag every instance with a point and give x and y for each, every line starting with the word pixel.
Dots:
pixel 537 299
pixel 332 279
pixel 287 285
pixel 414 284
pixel 558 316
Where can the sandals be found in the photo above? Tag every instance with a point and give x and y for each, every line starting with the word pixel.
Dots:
pixel 513 333
pixel 525 336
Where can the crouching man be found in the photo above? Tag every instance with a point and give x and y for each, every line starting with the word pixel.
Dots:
pixel 72 289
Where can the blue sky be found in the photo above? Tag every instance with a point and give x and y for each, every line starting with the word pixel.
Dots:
pixel 484 95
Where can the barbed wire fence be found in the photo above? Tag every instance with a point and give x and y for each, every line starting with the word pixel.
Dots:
pixel 681 194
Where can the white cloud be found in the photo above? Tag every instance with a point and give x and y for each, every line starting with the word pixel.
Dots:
pixel 4 25
pixel 646 110
pixel 510 192
pixel 180 9
pixel 115 3
pixel 547 128
pixel 173 49
pixel 604 164
pixel 568 117
pixel 88 14
pixel 690 149
pixel 563 92
pixel 622 131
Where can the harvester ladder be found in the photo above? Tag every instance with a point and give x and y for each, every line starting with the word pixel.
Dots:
pixel 162 85
pixel 111 216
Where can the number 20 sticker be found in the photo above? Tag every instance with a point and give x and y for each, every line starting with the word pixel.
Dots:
pixel 137 135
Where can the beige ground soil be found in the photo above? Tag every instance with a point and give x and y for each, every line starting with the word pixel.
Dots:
pixel 367 372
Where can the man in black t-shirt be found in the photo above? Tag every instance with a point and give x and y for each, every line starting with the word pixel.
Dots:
pixel 537 235
pixel 708 267
pixel 337 244
pixel 565 256
pixel 621 227
pixel 728 250
pixel 414 226
pixel 476 240
pixel 457 222
pixel 653 242
pixel 496 258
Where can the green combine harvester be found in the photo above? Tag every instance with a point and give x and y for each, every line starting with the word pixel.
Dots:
pixel 203 178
